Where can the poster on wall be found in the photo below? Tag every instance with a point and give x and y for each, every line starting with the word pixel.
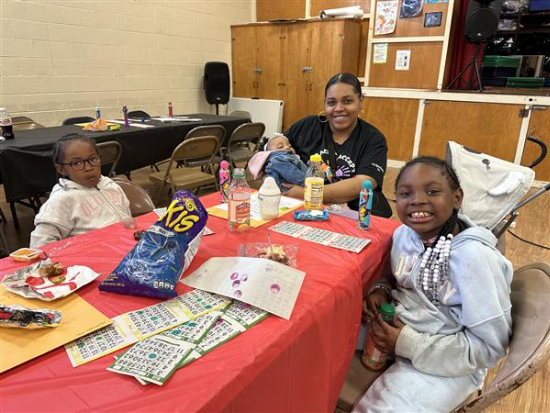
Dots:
pixel 411 8
pixel 436 1
pixel 403 60
pixel 380 53
pixel 386 17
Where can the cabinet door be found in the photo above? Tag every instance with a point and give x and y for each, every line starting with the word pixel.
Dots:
pixel 491 128
pixel 243 58
pixel 539 127
pixel 295 76
pixel 334 49
pixel 268 61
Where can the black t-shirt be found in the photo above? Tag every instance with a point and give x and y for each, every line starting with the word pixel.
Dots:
pixel 365 152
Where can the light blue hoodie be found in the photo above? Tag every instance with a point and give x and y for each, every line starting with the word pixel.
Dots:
pixel 470 329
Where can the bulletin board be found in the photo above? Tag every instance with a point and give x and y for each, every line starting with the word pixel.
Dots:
pixel 423 69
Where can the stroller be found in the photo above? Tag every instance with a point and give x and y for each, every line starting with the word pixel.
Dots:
pixel 492 187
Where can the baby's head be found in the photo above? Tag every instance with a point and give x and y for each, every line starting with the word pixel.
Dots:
pixel 279 143
pixel 77 158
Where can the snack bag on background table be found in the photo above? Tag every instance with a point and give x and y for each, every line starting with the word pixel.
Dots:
pixel 154 266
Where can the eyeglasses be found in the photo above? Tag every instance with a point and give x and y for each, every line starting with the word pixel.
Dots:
pixel 78 165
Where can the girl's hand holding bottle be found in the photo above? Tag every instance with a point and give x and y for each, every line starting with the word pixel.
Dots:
pixel 372 303
pixel 385 335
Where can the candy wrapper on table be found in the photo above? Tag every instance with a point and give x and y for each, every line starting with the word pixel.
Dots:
pixel 47 280
pixel 21 317
pixel 154 266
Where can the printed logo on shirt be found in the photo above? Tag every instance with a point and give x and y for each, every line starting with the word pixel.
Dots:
pixel 380 169
pixel 345 166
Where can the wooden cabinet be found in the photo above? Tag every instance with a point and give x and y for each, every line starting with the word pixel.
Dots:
pixel 292 62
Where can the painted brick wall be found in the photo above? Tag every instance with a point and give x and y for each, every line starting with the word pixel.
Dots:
pixel 62 58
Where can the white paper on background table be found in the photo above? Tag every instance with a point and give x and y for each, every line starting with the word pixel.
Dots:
pixel 178 119
pixel 386 17
pixel 134 326
pixel 133 124
pixel 286 202
pixel 262 283
pixel 380 53
pixel 402 60
pixel 321 236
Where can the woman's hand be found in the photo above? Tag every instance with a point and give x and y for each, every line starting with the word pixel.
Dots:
pixel 385 335
pixel 372 303
pixel 294 191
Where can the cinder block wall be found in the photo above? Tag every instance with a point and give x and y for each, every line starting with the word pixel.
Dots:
pixel 62 58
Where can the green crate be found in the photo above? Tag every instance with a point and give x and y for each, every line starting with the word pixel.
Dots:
pixel 501 61
pixel 525 82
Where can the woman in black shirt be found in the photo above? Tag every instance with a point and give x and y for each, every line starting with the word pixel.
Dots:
pixel 354 149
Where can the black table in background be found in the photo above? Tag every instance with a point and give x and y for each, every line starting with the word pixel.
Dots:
pixel 26 166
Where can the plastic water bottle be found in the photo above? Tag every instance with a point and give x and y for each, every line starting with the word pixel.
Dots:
pixel 97 112
pixel 373 359
pixel 125 113
pixel 239 203
pixel 269 197
pixel 365 204
pixel 225 181
pixel 315 183
pixel 170 110
pixel 5 124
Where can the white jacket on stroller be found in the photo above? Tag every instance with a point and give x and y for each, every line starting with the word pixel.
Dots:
pixel 492 187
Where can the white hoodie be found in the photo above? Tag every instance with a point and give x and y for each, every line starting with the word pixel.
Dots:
pixel 74 209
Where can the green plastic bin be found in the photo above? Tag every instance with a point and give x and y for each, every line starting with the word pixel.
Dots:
pixel 525 82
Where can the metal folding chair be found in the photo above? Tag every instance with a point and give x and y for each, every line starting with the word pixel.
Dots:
pixel 110 153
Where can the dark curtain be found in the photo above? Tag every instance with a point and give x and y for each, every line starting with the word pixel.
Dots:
pixel 462 51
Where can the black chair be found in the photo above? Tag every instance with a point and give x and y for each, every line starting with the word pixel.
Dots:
pixel 78 119
pixel 138 114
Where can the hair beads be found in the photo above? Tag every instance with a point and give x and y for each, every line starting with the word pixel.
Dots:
pixel 434 268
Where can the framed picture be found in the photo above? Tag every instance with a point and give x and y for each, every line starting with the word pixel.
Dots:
pixel 433 19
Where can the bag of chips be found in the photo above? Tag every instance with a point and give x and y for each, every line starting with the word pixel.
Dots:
pixel 154 266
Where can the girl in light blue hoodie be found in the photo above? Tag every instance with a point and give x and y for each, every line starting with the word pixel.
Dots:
pixel 451 290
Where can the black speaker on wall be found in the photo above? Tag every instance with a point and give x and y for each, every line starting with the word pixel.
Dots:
pixel 482 18
pixel 216 83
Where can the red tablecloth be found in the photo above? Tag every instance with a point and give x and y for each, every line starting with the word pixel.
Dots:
pixel 278 365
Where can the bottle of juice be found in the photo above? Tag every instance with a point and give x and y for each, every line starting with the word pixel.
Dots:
pixel 373 359
pixel 315 183
pixel 239 203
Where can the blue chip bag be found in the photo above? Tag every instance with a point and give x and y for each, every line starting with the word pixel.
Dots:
pixel 311 215
pixel 154 266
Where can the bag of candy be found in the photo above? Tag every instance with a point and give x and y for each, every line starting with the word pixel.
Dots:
pixel 154 266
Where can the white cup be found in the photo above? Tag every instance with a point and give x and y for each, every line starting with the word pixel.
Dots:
pixel 269 205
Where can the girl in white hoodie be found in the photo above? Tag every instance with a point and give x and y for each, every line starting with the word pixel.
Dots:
pixel 452 300
pixel 83 199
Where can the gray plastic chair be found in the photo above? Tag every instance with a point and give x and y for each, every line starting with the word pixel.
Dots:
pixel 241 114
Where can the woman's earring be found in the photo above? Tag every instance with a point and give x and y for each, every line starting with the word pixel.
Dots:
pixel 361 114
pixel 322 115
